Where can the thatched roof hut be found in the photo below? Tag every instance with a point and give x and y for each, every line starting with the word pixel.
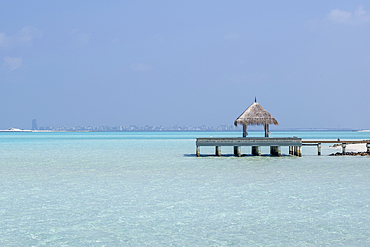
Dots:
pixel 255 114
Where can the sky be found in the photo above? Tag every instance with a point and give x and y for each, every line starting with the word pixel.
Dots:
pixel 165 63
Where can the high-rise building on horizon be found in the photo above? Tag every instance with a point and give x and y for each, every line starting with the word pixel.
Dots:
pixel 34 124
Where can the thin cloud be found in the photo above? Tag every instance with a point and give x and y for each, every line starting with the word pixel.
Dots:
pixel 13 63
pixel 23 37
pixel 27 34
pixel 81 36
pixel 359 16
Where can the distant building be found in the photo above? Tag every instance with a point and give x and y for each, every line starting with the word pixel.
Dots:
pixel 34 124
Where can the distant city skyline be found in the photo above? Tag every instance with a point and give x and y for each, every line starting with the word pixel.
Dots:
pixel 34 124
pixel 117 128
pixel 224 127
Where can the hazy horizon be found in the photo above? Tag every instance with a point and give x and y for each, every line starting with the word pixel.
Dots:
pixel 184 63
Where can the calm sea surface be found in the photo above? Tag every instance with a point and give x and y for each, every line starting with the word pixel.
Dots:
pixel 149 189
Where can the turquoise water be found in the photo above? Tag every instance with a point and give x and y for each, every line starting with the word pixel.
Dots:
pixel 149 189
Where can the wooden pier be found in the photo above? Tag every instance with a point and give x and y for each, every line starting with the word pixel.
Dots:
pixel 295 144
pixel 255 114
pixel 343 144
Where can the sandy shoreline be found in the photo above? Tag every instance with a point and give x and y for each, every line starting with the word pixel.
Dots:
pixel 360 147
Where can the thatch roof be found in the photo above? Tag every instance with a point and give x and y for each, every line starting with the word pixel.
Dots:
pixel 256 115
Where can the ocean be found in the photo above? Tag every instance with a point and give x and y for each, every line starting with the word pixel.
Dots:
pixel 149 189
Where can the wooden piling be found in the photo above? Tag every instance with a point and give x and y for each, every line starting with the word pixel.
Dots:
pixel 343 148
pixel 275 151
pixel 237 151
pixel 318 149
pixel 218 151
pixel 256 150
pixel 198 151
pixel 368 147
pixel 295 150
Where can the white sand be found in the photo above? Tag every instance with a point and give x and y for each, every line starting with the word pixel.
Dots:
pixel 360 147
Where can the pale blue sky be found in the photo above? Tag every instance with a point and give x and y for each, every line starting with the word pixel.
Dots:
pixel 69 63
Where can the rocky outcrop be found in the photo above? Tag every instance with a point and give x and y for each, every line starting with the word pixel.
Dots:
pixel 351 154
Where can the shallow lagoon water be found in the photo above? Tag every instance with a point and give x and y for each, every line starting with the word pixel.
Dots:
pixel 149 189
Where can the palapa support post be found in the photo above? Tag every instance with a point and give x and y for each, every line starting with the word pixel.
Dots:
pixel 198 151
pixel 300 151
pixel 266 130
pixel 218 151
pixel 256 150
pixel 237 151
pixel 291 150
pixel 318 149
pixel 343 148
pixel 245 133
pixel 275 151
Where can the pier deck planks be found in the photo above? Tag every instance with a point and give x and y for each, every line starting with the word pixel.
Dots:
pixel 249 141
